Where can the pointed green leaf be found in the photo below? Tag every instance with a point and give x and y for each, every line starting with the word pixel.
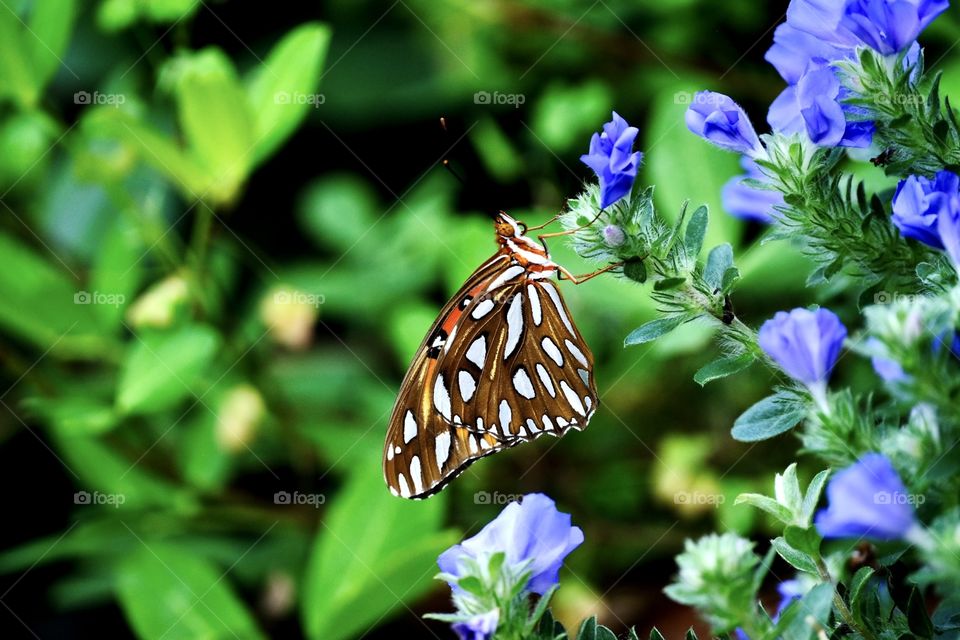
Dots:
pixel 359 574
pixel 168 592
pixel 283 90
pixel 696 232
pixel 768 418
pixel 719 260
pixel 653 330
pixel 723 367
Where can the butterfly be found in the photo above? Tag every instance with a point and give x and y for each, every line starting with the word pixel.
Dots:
pixel 502 364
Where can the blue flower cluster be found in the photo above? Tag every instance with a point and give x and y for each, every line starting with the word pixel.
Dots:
pixel 806 49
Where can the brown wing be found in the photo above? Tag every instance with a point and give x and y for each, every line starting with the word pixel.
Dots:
pixel 521 370
pixel 513 367
pixel 424 450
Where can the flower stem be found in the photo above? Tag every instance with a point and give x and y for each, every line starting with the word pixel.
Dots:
pixel 839 604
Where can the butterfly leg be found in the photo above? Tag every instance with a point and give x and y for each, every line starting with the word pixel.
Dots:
pixel 565 274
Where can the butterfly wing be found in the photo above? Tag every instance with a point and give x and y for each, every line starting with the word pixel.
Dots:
pixel 522 369
pixel 423 448
pixel 510 366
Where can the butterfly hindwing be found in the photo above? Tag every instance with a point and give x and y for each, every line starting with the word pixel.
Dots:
pixel 503 364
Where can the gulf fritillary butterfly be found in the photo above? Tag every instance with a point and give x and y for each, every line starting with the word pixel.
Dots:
pixel 502 364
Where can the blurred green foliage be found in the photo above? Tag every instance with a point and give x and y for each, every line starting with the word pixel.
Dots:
pixel 223 236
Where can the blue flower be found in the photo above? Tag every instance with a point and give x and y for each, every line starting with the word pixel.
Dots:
pixel 749 203
pixel 479 627
pixel 795 52
pixel 723 122
pixel 890 26
pixel 867 499
pixel 805 343
pixel 814 106
pixel 948 222
pixel 532 534
pixel 919 202
pixel 612 158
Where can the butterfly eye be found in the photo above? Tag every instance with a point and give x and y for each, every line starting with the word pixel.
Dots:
pixel 523 228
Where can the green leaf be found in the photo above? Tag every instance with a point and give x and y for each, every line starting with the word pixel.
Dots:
pixel 216 119
pixel 730 278
pixel 588 629
pixel 653 330
pixel 812 496
pixel 765 503
pixel 768 418
pixel 155 147
pixel 163 368
pixel 917 618
pixel 51 24
pixel 696 232
pixel 167 592
pixel 358 574
pixel 719 261
pixel 796 558
pixel 656 635
pixel 44 305
pixel 806 540
pixel 282 91
pixel 667 284
pixel 815 606
pixel 17 79
pixel 723 367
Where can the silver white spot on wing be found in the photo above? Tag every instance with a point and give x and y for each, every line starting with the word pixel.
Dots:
pixel 572 348
pixel 523 384
pixel 441 397
pixel 509 274
pixel 545 379
pixel 535 304
pixel 404 489
pixel 555 297
pixel 481 309
pixel 551 349
pixel 472 442
pixel 409 428
pixel 446 346
pixel 477 353
pixel 585 376
pixel 588 401
pixel 389 454
pixel 484 444
pixel 506 415
pixel 532 425
pixel 442 444
pixel 514 325
pixel 572 398
pixel 547 423
pixel 467 385
pixel 415 474
pixel 562 422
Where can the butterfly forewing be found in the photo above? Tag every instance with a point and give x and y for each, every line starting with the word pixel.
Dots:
pixel 502 364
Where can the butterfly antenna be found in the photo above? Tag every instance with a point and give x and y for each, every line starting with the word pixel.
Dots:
pixel 446 161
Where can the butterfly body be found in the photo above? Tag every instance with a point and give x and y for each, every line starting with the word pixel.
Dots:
pixel 502 364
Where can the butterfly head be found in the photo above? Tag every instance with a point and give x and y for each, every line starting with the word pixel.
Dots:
pixel 508 228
